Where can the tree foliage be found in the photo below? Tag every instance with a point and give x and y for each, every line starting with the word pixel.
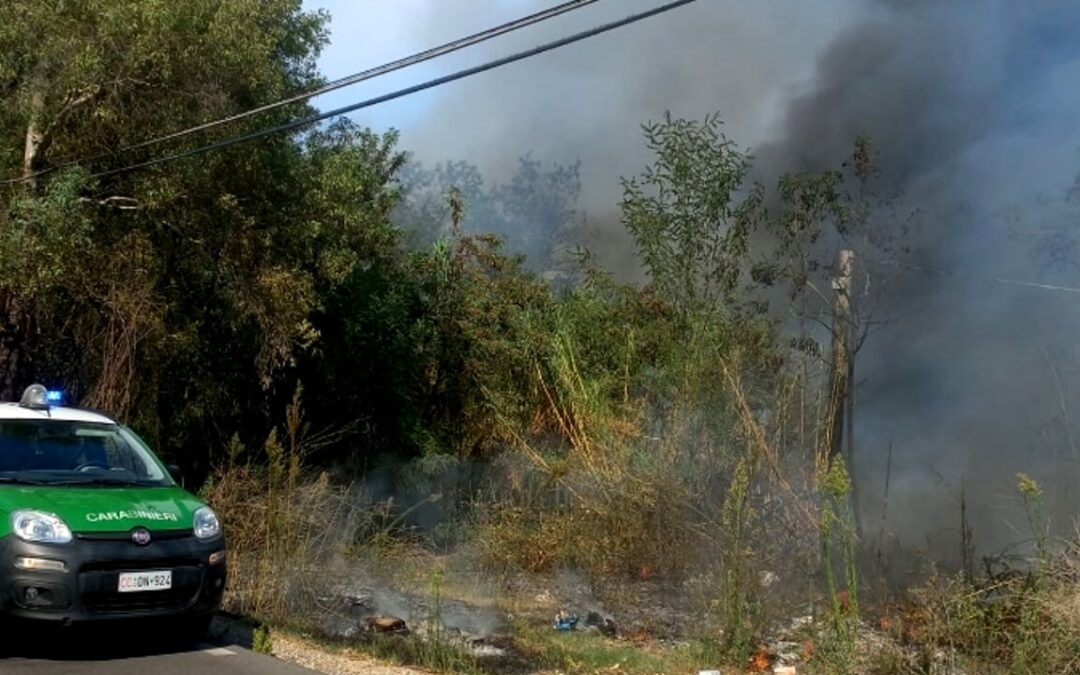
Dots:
pixel 180 297
pixel 684 211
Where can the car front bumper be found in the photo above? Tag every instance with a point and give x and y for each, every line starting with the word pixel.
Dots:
pixel 87 589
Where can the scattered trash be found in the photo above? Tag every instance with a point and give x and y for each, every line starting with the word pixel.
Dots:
pixel 768 579
pixel 709 672
pixel 761 660
pixel 566 622
pixel 800 622
pixel 387 624
pixel 789 651
pixel 601 623
pixel 784 670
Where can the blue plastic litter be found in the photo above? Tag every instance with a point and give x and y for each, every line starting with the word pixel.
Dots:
pixel 566 622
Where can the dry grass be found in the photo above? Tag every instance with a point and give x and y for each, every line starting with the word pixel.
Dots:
pixel 626 490
pixel 281 542
pixel 639 530
pixel 286 528
pixel 289 528
pixel 1020 622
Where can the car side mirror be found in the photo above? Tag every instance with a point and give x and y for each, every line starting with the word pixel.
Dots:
pixel 177 473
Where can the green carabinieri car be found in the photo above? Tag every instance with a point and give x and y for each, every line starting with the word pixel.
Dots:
pixel 93 527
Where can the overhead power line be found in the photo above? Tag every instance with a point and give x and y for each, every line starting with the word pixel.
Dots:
pixel 1004 281
pixel 334 85
pixel 401 93
pixel 378 71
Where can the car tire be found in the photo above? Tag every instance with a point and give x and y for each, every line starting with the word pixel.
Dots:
pixel 192 629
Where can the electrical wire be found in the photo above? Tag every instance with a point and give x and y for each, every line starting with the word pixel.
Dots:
pixel 401 93
pixel 334 85
pixel 1004 281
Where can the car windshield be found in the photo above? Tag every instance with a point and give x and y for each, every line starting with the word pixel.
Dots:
pixel 75 453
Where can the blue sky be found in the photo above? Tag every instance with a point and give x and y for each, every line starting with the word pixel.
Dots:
pixel 366 34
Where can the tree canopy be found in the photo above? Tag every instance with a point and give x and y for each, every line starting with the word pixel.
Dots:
pixel 178 297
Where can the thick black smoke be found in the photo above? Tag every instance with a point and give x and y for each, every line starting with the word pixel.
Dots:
pixel 973 108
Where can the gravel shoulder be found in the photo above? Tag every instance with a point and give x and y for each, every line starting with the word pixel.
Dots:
pixel 307 653
pixel 315 657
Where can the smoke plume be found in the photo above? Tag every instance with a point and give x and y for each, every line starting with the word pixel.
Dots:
pixel 973 108
pixel 969 107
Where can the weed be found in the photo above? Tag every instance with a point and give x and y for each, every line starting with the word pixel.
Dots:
pixel 283 525
pixel 580 652
pixel 1020 622
pixel 738 605
pixel 838 645
pixel 261 642
pixel 411 650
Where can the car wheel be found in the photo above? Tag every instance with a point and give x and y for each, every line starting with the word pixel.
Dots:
pixel 191 629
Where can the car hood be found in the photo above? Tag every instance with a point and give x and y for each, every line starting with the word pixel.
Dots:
pixel 104 508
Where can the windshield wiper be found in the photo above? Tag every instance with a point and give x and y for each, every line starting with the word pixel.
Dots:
pixel 95 481
pixel 12 480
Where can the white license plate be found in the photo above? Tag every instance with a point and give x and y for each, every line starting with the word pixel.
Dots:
pixel 135 582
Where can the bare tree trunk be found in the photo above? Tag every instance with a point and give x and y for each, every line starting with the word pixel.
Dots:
pixel 35 137
pixel 841 400
pixel 839 384
pixel 849 419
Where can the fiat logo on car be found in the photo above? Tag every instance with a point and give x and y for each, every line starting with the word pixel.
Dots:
pixel 141 536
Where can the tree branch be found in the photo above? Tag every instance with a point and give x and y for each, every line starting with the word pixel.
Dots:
pixel 39 140
pixel 118 202
pixel 72 102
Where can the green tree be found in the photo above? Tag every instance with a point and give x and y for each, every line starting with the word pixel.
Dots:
pixel 179 297
pixel 690 229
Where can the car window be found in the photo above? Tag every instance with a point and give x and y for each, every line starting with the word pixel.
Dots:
pixel 74 452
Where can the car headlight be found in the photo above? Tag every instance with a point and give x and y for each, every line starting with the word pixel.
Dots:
pixel 207 525
pixel 40 527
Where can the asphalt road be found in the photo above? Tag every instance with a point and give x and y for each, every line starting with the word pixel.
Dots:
pixel 60 656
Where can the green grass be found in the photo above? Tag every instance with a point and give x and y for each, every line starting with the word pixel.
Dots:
pixel 436 655
pixel 582 652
